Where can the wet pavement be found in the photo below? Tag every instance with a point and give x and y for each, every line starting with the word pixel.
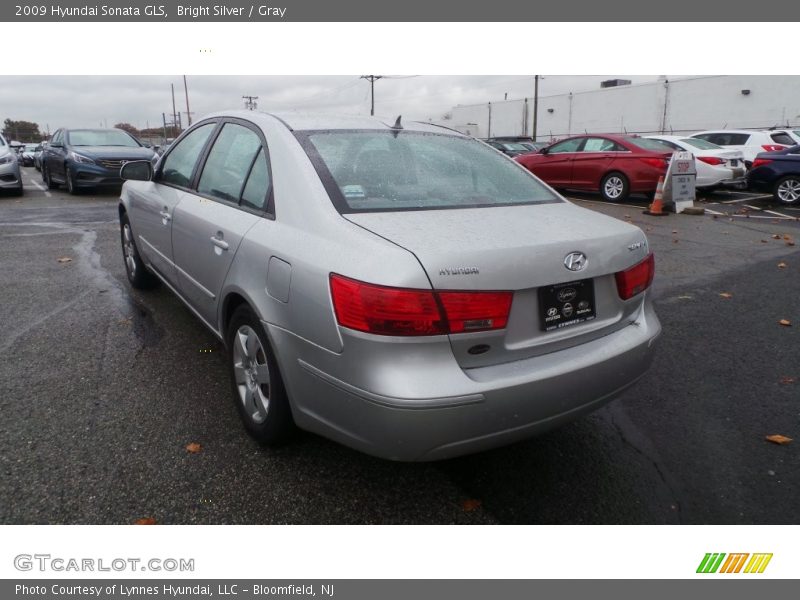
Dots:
pixel 102 387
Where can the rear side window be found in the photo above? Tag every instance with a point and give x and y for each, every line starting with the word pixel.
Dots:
pixel 782 138
pixel 670 145
pixel 601 145
pixel 257 186
pixel 229 162
pixel 369 170
pixel 701 144
pixel 648 144
pixel 180 162
pixel 725 138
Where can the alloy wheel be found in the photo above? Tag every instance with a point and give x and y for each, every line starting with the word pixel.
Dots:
pixel 613 187
pixel 251 373
pixel 789 191
pixel 129 250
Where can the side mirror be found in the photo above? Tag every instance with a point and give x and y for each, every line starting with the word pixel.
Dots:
pixel 56 145
pixel 545 150
pixel 137 170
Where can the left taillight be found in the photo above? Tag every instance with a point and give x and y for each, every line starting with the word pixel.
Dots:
pixel 773 147
pixel 658 163
pixel 711 160
pixel 386 310
pixel 637 279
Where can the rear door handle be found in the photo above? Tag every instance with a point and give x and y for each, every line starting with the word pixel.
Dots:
pixel 219 242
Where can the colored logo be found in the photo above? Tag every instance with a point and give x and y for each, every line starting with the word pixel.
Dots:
pixel 742 562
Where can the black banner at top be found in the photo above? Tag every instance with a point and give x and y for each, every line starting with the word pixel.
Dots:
pixel 674 11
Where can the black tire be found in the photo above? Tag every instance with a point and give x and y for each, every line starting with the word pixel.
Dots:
pixel 51 185
pixel 615 187
pixel 787 190
pixel 70 181
pixel 138 275
pixel 255 377
pixel 18 191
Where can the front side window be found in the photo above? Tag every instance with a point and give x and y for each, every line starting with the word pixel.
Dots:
pixel 571 145
pixel 229 162
pixel 180 162
pixel 367 171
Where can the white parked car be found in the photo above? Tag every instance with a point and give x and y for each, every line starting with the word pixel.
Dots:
pixel 716 166
pixel 750 143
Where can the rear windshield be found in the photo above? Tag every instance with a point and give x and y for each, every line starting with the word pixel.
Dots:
pixel 101 137
pixel 648 144
pixel 372 171
pixel 701 144
pixel 725 138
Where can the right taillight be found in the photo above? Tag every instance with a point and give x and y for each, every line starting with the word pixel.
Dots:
pixel 711 160
pixel 636 279
pixel 386 310
pixel 761 161
pixel 657 163
pixel 773 147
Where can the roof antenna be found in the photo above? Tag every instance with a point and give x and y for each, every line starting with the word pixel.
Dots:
pixel 397 124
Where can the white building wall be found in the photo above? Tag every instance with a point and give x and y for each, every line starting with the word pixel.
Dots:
pixel 680 105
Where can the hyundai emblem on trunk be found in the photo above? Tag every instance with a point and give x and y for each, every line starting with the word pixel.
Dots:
pixel 575 261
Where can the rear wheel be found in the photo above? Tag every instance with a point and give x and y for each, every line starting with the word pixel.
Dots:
pixel 614 187
pixel 258 389
pixel 787 190
pixel 137 273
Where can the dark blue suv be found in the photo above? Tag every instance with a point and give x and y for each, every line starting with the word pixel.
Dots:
pixel 89 158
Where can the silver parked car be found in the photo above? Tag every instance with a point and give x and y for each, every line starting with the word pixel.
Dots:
pixel 400 288
pixel 10 176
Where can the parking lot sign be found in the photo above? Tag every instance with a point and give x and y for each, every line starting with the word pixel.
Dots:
pixel 679 185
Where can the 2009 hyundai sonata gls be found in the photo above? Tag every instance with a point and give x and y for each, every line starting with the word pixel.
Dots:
pixel 397 287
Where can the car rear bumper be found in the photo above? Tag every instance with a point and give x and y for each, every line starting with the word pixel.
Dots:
pixel 404 415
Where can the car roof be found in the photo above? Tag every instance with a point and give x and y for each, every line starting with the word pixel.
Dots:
pixel 747 131
pixel 301 121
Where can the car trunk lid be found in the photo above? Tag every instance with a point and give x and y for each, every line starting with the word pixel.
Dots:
pixel 520 249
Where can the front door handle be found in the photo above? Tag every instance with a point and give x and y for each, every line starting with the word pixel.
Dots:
pixel 219 242
pixel 165 216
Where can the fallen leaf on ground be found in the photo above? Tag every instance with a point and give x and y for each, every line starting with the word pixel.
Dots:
pixel 64 259
pixel 779 439
pixel 471 505
pixel 790 242
pixel 146 521
pixel 764 241
pixel 674 241
pixel 725 295
pixel 193 448
pixel 785 322
pixel 674 231
pixel 775 236
pixel 781 265
pixel 786 380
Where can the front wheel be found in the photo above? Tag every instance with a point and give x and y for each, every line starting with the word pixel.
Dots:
pixel 258 389
pixel 787 190
pixel 71 188
pixel 48 181
pixel 614 187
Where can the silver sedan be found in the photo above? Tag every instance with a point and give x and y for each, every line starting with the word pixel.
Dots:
pixel 10 175
pixel 398 287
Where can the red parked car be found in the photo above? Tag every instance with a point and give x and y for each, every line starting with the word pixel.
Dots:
pixel 614 165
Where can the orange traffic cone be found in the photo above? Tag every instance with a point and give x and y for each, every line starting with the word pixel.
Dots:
pixel 656 209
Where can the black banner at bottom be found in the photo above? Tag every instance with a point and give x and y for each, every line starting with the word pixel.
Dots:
pixel 733 587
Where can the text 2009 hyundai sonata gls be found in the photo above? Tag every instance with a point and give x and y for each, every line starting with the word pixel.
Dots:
pixel 397 287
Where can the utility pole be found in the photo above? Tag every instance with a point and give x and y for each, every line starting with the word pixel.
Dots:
pixel 535 104
pixel 186 91
pixel 250 102
pixel 174 113
pixel 372 79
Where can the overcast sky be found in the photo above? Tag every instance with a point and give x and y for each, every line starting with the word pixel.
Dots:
pixel 92 101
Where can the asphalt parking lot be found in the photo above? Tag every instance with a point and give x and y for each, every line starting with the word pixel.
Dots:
pixel 102 387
